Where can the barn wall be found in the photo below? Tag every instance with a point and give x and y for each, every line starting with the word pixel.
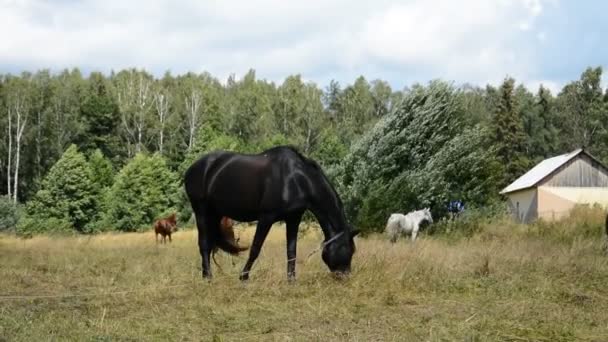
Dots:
pixel 556 202
pixel 582 171
pixel 527 200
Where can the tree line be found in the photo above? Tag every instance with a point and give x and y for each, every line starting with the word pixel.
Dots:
pixel 86 147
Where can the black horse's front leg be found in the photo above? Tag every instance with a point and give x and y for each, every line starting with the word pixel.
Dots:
pixel 292 225
pixel 261 232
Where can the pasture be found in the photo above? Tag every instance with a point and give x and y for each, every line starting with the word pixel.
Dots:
pixel 504 283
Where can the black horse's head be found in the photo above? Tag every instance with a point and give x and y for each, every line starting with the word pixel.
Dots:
pixel 338 252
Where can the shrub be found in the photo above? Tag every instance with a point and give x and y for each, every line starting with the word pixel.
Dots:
pixel 30 225
pixel 472 221
pixel 420 155
pixel 144 190
pixel 67 193
pixel 9 214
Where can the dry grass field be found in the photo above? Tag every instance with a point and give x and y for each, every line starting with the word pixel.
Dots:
pixel 505 283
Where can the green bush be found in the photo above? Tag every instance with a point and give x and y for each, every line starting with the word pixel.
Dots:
pixel 102 171
pixel 422 154
pixel 67 193
pixel 472 221
pixel 30 225
pixel 275 140
pixel 9 214
pixel 144 190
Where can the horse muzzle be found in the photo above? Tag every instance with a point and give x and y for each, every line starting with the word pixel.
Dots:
pixel 341 275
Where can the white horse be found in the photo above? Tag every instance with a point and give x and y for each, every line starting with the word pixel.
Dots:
pixel 407 224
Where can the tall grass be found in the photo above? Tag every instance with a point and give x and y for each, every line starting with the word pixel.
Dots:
pixel 504 281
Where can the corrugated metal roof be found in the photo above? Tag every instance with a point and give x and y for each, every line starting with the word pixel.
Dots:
pixel 540 171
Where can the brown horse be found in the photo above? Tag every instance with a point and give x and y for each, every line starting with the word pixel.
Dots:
pixel 165 227
pixel 227 229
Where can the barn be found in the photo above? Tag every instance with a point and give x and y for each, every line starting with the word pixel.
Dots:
pixel 555 185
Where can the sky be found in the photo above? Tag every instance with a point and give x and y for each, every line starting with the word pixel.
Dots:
pixel 402 42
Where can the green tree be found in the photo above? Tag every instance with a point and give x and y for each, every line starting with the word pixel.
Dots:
pixel 331 99
pixel 67 192
pixel 299 112
pixel 330 151
pixel 544 137
pixel 381 97
pixel 143 190
pixel 197 102
pixel 583 114
pixel 509 133
pixel 101 119
pixel 102 171
pixel 18 98
pixel 275 140
pixel 67 92
pixel 135 99
pixel 357 110
pixel 476 105
pixel 209 139
pixel 421 154
pixel 10 213
pixel 248 107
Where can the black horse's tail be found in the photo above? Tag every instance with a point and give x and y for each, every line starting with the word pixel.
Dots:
pixel 217 239
pixel 194 185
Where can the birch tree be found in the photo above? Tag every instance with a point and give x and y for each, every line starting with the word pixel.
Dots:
pixel 39 107
pixel 312 117
pixel 135 99
pixel 9 135
pixel 17 109
pixel 161 101
pixel 65 102
pixel 193 100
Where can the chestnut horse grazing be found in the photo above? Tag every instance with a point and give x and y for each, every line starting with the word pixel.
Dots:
pixel 279 184
pixel 227 227
pixel 165 227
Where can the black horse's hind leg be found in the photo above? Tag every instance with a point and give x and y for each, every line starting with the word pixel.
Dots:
pixel 261 232
pixel 204 224
pixel 292 224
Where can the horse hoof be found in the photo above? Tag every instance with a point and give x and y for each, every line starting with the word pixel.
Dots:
pixel 244 277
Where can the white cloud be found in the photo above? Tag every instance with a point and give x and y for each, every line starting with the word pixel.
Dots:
pixel 554 87
pixel 469 40
pixel 462 40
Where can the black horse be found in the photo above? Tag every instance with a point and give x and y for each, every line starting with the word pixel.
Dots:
pixel 279 184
